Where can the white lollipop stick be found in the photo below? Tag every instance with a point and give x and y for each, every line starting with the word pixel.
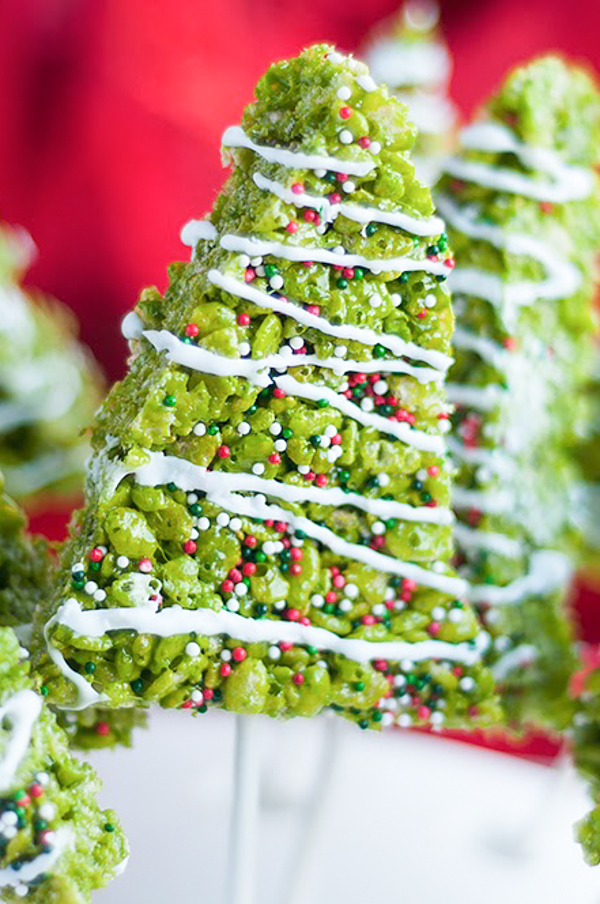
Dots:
pixel 241 871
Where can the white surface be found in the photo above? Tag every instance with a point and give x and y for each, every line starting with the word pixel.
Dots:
pixel 415 820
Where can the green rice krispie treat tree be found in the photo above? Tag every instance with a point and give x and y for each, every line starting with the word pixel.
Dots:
pixel 408 54
pixel 521 205
pixel 267 525
pixel 56 845
pixel 27 569
pixel 48 383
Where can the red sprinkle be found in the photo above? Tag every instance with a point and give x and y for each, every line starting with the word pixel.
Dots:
pixel 305 621
pixel 422 314
pixel 364 141
pixel 295 568
pixel 298 188
pixel 381 665
pixel 321 480
pixel 250 541
pixel 191 330
pixel 310 215
pixel 243 319
pixel 225 670
pixel 190 547
pixel 102 729
pixel 292 227
pixel 278 393
pixel 236 575
pixel 227 586
pixel 296 554
pixel 368 620
pixel 285 645
pixel 423 712
pixel 223 451
pixel 208 693
pixel 292 614
pixel 280 527
pixel 433 471
pixel 96 555
pixel 434 628
pixel 331 597
pixel 314 309
pixel 249 275
pixel 345 112
pixel 298 678
pixel 339 581
pixel 275 458
pixel 238 654
pixel 36 790
pixel 335 197
pixel 249 569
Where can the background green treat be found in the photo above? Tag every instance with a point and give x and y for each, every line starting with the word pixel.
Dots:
pixel 524 219
pixel 294 388
pixel 408 53
pixel 48 807
pixel 48 383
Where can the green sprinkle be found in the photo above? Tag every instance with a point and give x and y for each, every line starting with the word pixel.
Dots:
pixel 44 690
pixel 378 351
pixel 371 229
pixel 359 685
pixel 342 283
pixel 287 433
pixel 323 403
pixel 169 401
pixel 404 277
pixel 358 273
pixel 270 270
pixel 137 686
pixel 109 827
pixel 212 430
pixel 90 667
pixel 377 716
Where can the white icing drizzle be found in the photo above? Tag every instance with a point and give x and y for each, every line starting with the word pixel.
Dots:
pixel 163 469
pixel 22 711
pixel 563 277
pixel 329 212
pixel 259 247
pixel 86 695
pixel 235 137
pixel 346 332
pixel 256 370
pixel 33 869
pixel 548 570
pixel 195 231
pixel 401 431
pixel 483 397
pixel 487 349
pixel 470 538
pixel 492 458
pixel 174 620
pixel 132 326
pixel 522 655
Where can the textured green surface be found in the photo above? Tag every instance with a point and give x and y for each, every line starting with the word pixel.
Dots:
pixel 165 407
pixel 53 798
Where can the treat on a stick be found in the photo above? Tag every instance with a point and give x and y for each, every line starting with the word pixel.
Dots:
pixel 27 568
pixel 520 201
pixel 56 845
pixel 267 523
pixel 408 53
pixel 48 383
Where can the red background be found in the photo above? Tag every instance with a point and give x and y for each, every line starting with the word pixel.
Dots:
pixel 111 113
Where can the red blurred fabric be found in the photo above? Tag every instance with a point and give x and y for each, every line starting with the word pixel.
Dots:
pixel 111 112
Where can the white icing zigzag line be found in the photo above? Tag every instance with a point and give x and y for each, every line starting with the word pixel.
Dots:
pixel 347 332
pixel 255 507
pixel 563 278
pixel 163 469
pixel 22 710
pixel 86 695
pixel 235 137
pixel 568 183
pixel 260 248
pixel 494 542
pixel 401 431
pixel 487 349
pixel 484 398
pixel 493 503
pixel 548 570
pixel 520 656
pixel 329 212
pixel 174 620
pixel 256 370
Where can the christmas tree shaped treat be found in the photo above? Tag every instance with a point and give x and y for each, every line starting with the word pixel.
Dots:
pixel 267 525
pixel 409 55
pixel 55 843
pixel 27 570
pixel 48 383
pixel 521 205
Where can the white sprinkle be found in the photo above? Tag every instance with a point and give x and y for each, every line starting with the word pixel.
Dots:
pixel 277 544
pixel 380 387
pixel 244 349
pixel 317 600
pixel 274 653
pixel 367 404
pixel 456 615
pixel 226 655
pixel 203 523
pixel 256 261
pixel 191 498
pixel 244 261
pixel 334 453
pixel 396 299
pixel 280 445
pixel 275 428
pixel 375 300
pixel 351 591
pixel 122 562
pixel 258 468
pixel 339 351
pixel 406 665
pixel 378 609
pixel 319 173
pixel 325 442
pixel 348 186
pixel 279 605
pixel 297 342
pixel 437 718
pixel 100 596
pixel 345 605
pixel 386 720
pixel 276 282
pixel 445 426
pixel 346 137
pixel 404 721
pixel 193 534
pixel 192 649
pixel 197 697
pixel 430 301
pixel 378 528
pixel 330 430
pixel 399 605
pixel 375 147
pixel 91 587
pixel 344 93
pixel 303 469
pixel 466 683
pixel 399 680
pixel 223 519
pixel 10 818
pixel 79 566
pixel 200 429
pixel 43 778
pixel 233 605
pixel 235 524
pixel 244 428
pixel 389 593
pixel 421 474
pixel 438 613
pixel 383 479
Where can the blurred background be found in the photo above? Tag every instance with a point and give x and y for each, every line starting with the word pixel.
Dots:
pixel 111 113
